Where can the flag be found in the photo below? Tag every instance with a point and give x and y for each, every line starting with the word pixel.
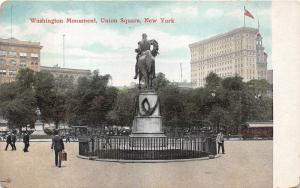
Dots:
pixel 247 13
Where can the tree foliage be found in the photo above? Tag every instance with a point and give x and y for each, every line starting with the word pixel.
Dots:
pixel 223 103
pixel 17 100
pixel 92 100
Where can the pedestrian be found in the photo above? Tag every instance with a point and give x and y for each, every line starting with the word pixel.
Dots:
pixel 220 142
pixel 107 140
pixel 8 141
pixel 26 142
pixel 58 146
pixel 13 141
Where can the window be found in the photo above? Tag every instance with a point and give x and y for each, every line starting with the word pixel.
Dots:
pixel 12 72
pixel 35 55
pixel 23 54
pixel 23 64
pixel 2 72
pixel 3 53
pixel 13 62
pixel 2 61
pixel 14 54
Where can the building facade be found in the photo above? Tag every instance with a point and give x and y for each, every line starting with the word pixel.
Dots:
pixel 66 73
pixel 270 76
pixel 15 55
pixel 183 85
pixel 237 52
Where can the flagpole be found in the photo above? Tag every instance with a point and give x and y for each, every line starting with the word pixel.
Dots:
pixel 11 20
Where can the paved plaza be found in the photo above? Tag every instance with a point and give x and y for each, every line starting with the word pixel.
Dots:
pixel 246 164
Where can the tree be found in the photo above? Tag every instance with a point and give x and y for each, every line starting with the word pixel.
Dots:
pixel 124 107
pixel 160 81
pixel 234 88
pixel 92 100
pixel 220 119
pixel 259 87
pixel 25 78
pixel 53 97
pixel 45 92
pixel 171 104
pixel 213 81
pixel 17 100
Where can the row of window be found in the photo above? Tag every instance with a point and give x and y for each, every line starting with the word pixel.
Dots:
pixel 230 56
pixel 250 74
pixel 15 54
pixel 227 40
pixel 8 72
pixel 197 55
pixel 229 68
pixel 21 64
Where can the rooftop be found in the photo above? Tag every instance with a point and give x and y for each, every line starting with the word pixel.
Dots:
pixel 247 29
pixel 14 41
pixel 59 69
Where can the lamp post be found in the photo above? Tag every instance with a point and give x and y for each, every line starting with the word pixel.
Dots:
pixel 240 112
pixel 213 94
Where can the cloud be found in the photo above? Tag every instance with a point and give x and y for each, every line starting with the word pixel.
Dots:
pixel 237 13
pixel 264 13
pixel 191 11
pixel 172 11
pixel 214 13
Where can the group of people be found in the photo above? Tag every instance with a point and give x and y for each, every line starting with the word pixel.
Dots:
pixel 11 141
pixel 57 144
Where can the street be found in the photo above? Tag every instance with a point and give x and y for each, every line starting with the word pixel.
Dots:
pixel 246 164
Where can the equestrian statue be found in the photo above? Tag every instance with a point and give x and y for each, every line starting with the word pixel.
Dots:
pixel 145 61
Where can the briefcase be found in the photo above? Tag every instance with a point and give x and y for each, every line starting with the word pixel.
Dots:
pixel 63 155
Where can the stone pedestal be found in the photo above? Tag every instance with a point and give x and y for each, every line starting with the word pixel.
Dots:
pixel 147 122
pixel 39 130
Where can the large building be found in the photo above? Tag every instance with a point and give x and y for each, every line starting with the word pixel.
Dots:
pixel 15 55
pixel 237 52
pixel 67 73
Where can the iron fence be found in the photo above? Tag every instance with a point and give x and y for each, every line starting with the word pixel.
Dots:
pixel 147 148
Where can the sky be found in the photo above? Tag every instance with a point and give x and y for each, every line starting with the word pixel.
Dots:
pixel 109 48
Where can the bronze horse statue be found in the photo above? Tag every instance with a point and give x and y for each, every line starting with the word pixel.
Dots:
pixel 146 65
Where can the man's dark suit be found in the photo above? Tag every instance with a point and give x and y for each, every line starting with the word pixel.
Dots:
pixel 13 141
pixel 26 142
pixel 8 142
pixel 58 146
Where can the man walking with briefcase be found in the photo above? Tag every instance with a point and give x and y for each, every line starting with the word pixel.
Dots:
pixel 58 146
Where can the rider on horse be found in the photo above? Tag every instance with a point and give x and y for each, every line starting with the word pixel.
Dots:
pixel 143 46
